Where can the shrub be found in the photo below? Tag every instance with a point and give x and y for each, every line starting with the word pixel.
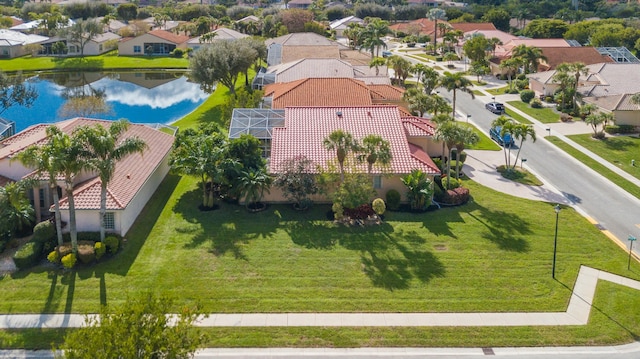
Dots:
pixel 378 206
pixel 438 162
pixel 86 253
pixel 54 257
pixel 512 91
pixel 361 212
pixel 527 95
pixel 64 249
pixel 44 232
pixel 453 183
pixel 522 84
pixel 28 255
pixel 338 210
pixel 100 249
pixel 179 53
pixel 535 103
pixel 112 243
pixel 69 260
pixel 521 77
pixel 548 99
pixel 456 196
pixel 393 199
pixel 619 129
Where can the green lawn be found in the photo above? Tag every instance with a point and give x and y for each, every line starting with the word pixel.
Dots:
pixel 619 150
pixel 485 142
pixel 544 115
pixel 498 91
pixel 520 175
pixel 105 61
pixel 494 254
pixel 517 117
pixel 596 166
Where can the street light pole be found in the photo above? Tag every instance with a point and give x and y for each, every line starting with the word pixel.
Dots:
pixel 555 242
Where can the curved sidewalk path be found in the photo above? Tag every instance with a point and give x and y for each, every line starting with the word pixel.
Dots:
pixel 577 313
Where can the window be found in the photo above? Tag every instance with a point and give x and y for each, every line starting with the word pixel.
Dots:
pixel 41 194
pixel 377 182
pixel 109 220
pixel 137 49
pixel 100 47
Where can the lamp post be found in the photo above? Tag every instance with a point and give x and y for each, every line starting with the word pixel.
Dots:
pixel 555 242
pixel 631 240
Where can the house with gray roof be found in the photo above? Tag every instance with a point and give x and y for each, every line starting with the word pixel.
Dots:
pixel 12 43
pixel 221 34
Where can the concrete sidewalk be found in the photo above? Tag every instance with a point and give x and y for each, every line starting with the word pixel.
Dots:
pixel 577 313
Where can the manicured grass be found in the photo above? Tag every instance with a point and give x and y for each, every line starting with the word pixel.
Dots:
pixel 498 91
pixel 478 93
pixel 479 83
pixel 517 117
pixel 596 166
pixel 619 150
pixel 520 175
pixel 105 61
pixel 544 115
pixel 485 142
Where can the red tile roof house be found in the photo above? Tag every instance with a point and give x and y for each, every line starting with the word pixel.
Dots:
pixel 160 42
pixel 304 129
pixel 135 180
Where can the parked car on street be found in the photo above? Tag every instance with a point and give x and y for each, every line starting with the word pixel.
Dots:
pixel 503 140
pixel 386 53
pixel 495 107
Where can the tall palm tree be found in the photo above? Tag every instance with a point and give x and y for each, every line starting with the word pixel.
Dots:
pixel 374 31
pixel 465 136
pixel 42 159
pixel 430 79
pixel 377 62
pixel 440 134
pixel 579 68
pixel 511 65
pixel 68 163
pixel 401 68
pixel 521 132
pixel 103 149
pixel 374 150
pixel 530 56
pixel 418 101
pixel 506 126
pixel 435 15
pixel 565 81
pixel 343 143
pixel 456 82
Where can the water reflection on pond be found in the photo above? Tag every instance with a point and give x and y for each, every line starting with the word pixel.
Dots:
pixel 141 97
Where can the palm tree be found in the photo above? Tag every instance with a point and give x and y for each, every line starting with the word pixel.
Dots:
pixel 68 163
pixel 521 132
pixel 438 105
pixel 456 82
pixel 343 143
pixel 374 31
pixel 565 81
pixel 374 150
pixel 401 68
pixel 493 43
pixel 530 56
pixel 511 65
pixel 435 15
pixel 377 62
pixel 16 212
pixel 103 149
pixel 419 189
pixel 418 101
pixel 635 99
pixel 440 134
pixel 253 184
pixel 465 136
pixel 506 126
pixel 430 79
pixel 42 159
pixel 579 68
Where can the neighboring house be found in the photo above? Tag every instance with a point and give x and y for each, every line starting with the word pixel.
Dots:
pixel 221 34
pixel 156 42
pixel 299 4
pixel 12 43
pixel 319 68
pixel 504 51
pixel 342 24
pixel 607 85
pixel 301 45
pixel 425 26
pixel 504 38
pixel 98 45
pixel 250 18
pixel 135 179
pixel 329 92
pixel 558 55
pixel 304 129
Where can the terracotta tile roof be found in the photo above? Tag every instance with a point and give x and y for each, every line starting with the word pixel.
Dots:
pixel 471 26
pixel 306 127
pixel 130 174
pixel 426 26
pixel 319 92
pixel 386 92
pixel 418 154
pixel 169 36
pixel 557 55
pixel 418 127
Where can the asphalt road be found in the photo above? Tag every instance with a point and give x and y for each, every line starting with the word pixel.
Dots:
pixel 614 209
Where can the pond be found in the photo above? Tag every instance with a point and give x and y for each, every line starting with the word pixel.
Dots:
pixel 141 97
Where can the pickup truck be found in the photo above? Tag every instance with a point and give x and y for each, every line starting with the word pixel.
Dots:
pixel 503 140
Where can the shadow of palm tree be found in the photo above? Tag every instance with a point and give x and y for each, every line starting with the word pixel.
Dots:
pixel 621 143
pixel 227 229
pixel 504 229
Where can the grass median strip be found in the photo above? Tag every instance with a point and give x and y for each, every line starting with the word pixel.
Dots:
pixel 619 150
pixel 544 115
pixel 596 166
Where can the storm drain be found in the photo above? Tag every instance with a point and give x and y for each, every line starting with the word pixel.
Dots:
pixel 488 351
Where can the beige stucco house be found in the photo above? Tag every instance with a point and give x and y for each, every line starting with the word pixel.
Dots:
pixel 156 42
pixel 135 179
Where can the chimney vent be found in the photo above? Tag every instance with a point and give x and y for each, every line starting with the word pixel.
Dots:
pixel 339 113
